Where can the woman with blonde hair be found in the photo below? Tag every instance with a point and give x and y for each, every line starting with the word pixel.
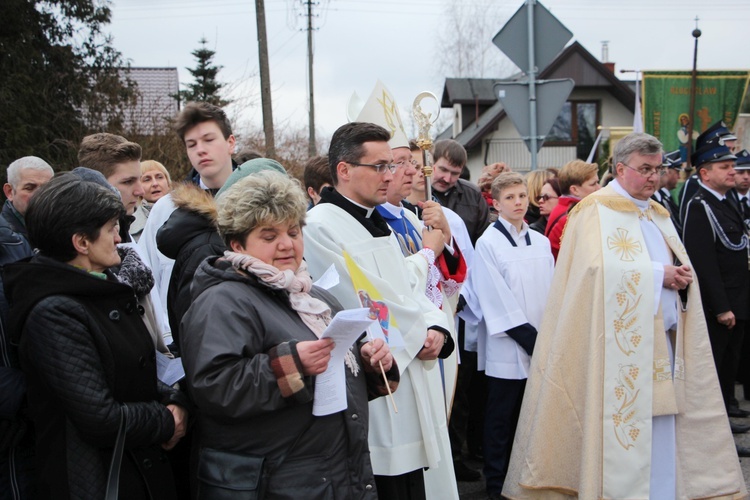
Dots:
pixel 547 201
pixel 252 348
pixel 156 182
pixel 534 182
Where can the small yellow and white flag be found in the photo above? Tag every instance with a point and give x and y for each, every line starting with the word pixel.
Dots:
pixel 371 298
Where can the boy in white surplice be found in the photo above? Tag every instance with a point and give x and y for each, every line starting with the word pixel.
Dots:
pixel 506 293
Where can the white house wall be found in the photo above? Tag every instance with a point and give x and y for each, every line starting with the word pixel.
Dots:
pixel 612 113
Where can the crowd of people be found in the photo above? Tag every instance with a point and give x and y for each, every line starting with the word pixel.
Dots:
pixel 579 339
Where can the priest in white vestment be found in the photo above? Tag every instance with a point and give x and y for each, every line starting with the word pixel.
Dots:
pixel 447 268
pixel 345 223
pixel 622 399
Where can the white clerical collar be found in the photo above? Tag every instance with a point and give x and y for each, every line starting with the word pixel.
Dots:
pixel 512 229
pixel 392 209
pixel 718 195
pixel 370 210
pixel 642 204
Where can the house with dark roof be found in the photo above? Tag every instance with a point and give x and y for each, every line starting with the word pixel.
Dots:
pixel 156 103
pixel 481 125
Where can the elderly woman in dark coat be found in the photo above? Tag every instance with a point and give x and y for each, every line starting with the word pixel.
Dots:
pixel 86 353
pixel 252 348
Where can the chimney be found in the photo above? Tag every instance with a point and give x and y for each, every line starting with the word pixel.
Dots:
pixel 605 56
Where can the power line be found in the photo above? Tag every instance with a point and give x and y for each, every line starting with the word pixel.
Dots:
pixel 599 5
pixel 647 10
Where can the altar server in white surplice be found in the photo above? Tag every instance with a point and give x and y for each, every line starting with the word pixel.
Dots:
pixel 506 294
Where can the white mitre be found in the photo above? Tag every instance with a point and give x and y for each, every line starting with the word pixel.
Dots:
pixel 380 109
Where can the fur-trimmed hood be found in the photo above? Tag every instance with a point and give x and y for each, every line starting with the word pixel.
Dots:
pixel 193 199
pixel 195 216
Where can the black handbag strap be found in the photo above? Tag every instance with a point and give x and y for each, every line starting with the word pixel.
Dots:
pixel 113 479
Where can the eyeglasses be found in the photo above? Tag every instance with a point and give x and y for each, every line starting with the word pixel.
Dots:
pixel 545 198
pixel 648 171
pixel 403 163
pixel 379 168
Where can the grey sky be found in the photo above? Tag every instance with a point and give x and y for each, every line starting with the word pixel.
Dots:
pixel 359 41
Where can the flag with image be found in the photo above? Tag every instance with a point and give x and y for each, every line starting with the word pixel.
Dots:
pixel 371 298
pixel 666 103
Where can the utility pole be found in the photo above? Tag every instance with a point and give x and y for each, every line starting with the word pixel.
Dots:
pixel 265 78
pixel 311 149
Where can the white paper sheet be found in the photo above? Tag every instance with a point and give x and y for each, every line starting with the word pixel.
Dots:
pixel 329 279
pixel 330 386
pixel 169 371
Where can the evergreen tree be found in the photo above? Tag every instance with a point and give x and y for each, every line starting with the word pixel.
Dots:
pixel 206 87
pixel 59 78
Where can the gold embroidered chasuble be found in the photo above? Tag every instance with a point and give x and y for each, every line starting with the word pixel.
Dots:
pixel 601 371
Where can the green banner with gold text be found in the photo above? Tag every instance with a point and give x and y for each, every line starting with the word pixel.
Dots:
pixel 666 103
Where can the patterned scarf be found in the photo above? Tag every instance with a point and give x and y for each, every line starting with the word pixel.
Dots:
pixel 133 271
pixel 314 312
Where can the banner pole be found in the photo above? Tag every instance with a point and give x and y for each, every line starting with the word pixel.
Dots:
pixel 693 80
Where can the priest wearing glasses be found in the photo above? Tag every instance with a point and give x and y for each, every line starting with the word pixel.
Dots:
pixel 623 401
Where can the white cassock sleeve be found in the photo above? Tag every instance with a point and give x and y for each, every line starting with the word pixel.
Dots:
pixel 490 297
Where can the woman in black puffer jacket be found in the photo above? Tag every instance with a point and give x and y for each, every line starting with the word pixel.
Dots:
pixel 86 352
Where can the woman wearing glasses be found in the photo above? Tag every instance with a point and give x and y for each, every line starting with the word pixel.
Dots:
pixel 547 200
pixel 535 180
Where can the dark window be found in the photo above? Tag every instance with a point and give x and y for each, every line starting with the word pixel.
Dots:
pixel 575 126
pixel 562 130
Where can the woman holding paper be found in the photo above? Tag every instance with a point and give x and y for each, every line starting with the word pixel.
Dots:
pixel 252 349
